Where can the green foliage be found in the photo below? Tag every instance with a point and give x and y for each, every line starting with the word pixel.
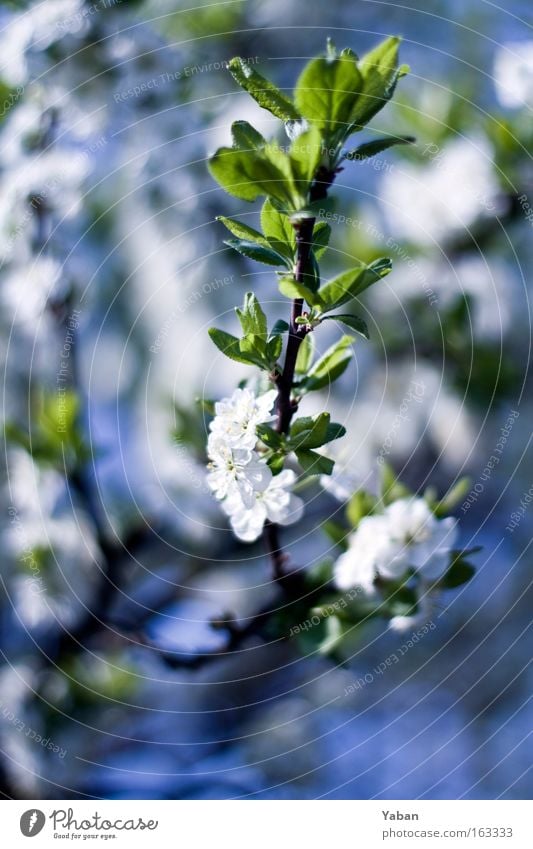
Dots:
pixel 265 93
pixel 328 89
pixel 335 96
pixel 55 437
pixel 350 284
pixel 351 321
pixel 459 573
pixel 372 148
pixel 313 463
pixel 329 367
pixel 314 431
pixel 251 316
pixel 361 504
pixel 256 347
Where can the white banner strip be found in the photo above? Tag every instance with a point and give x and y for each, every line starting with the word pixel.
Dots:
pixel 283 824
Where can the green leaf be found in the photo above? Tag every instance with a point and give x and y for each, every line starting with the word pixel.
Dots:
pixel 265 93
pixel 251 250
pixel 278 230
pixel 380 72
pixel 291 289
pixel 243 231
pixel 305 354
pixel 337 533
pixel 246 137
pixel 309 431
pixel 276 463
pixel 250 174
pixel 229 345
pixel 369 149
pixel 305 155
pixel 330 365
pixel 313 463
pixel 334 430
pixel 273 349
pixel 352 321
pixel 349 284
pixel 391 488
pixel 327 90
pixel 460 572
pixel 452 497
pixel 361 504
pixel 321 236
pixel 269 436
pixel 279 327
pixel 251 316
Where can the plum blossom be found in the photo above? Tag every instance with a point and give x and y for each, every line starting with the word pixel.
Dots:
pixel 513 74
pixel 457 186
pixel 276 503
pixel 238 475
pixel 235 470
pixel 237 417
pixel 407 535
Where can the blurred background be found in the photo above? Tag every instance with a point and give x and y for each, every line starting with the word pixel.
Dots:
pixel 112 268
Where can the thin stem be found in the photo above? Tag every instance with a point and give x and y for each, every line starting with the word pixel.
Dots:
pixel 285 406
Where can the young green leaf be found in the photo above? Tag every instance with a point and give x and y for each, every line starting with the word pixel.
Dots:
pixel 279 327
pixel 229 345
pixel 361 504
pixel 243 231
pixel 313 463
pixel 273 349
pixel 305 155
pixel 321 236
pixel 369 149
pixel 305 354
pixel 252 250
pixel 391 488
pixel 351 321
pixel 246 137
pixel 309 431
pixel 278 230
pixel 380 72
pixel 265 93
pixel 250 174
pixel 452 497
pixel 291 289
pixel 327 90
pixel 251 316
pixel 349 284
pixel 269 436
pixel 330 365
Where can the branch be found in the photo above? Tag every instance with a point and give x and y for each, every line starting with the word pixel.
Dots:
pixel 286 408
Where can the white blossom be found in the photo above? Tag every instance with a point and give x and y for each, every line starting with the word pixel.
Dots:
pixel 26 290
pixel 406 535
pixel 235 470
pixel 237 417
pixel 276 503
pixel 456 187
pixel 513 74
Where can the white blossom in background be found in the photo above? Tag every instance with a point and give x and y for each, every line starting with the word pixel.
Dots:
pixel 428 203
pixel 407 535
pixel 26 289
pixel 36 28
pixel 238 475
pixel 513 74
pixel 276 503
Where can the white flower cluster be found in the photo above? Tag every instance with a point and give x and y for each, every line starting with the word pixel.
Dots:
pixel 407 535
pixel 239 477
